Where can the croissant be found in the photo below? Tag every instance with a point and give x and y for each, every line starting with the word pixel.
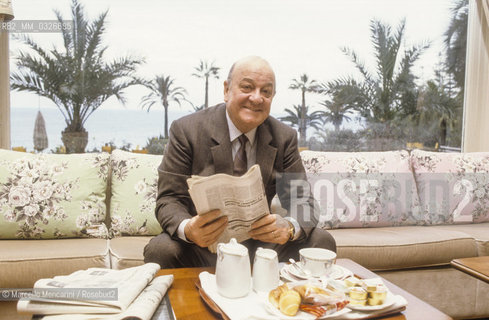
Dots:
pixel 289 302
pixel 274 295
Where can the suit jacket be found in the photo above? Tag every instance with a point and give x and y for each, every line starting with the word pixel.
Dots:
pixel 199 145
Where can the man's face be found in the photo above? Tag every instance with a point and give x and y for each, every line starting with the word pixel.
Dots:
pixel 249 95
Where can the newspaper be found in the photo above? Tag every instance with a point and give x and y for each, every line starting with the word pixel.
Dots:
pixel 241 199
pixel 138 294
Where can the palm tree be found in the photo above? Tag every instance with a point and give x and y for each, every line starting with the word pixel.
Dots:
pixel 440 110
pixel 343 102
pixel 297 119
pixel 76 78
pixel 391 90
pixel 198 108
pixel 456 42
pixel 163 90
pixel 336 113
pixel 305 85
pixel 204 71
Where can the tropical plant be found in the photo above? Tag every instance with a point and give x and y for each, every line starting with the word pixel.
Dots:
pixel 391 90
pixel 204 71
pixel 342 140
pixel 338 108
pixel 304 84
pixel 156 145
pixel 336 113
pixel 440 110
pixel 163 90
pixel 296 119
pixel 198 108
pixel 456 42
pixel 76 78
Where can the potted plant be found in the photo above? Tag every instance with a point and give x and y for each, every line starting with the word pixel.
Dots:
pixel 76 78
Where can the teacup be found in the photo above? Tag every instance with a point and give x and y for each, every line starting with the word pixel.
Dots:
pixel 317 260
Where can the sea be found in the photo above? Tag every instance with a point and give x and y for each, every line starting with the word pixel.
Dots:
pixel 119 126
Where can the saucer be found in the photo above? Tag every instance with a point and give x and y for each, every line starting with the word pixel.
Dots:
pixel 336 272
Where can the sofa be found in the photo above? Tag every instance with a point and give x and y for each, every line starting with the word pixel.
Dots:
pixel 403 214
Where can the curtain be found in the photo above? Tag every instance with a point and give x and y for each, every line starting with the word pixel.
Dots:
pixel 485 6
pixel 4 89
pixel 476 104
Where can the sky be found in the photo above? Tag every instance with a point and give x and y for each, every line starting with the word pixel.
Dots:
pixel 295 36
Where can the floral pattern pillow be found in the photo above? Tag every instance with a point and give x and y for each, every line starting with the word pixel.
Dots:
pixel 134 190
pixel 45 196
pixel 453 187
pixel 364 189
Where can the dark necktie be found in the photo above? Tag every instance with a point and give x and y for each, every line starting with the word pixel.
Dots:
pixel 240 161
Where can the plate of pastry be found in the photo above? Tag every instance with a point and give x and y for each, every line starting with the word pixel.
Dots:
pixel 368 295
pixel 305 300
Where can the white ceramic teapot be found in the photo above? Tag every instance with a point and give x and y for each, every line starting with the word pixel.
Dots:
pixel 233 272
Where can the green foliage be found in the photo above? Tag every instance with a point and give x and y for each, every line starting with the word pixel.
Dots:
pixel 337 140
pixel 126 146
pixel 382 95
pixel 296 119
pixel 304 84
pixel 163 90
pixel 76 78
pixel 58 150
pixel 456 42
pixel 156 145
pixel 205 70
pixel 339 108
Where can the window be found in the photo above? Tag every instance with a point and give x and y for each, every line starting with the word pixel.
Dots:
pixel 360 94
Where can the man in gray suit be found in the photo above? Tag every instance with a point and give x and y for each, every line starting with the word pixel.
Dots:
pixel 229 138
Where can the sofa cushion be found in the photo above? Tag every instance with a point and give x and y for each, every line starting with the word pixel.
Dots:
pixel 453 187
pixel 134 186
pixel 363 189
pixel 126 252
pixel 402 247
pixel 478 231
pixel 23 262
pixel 45 196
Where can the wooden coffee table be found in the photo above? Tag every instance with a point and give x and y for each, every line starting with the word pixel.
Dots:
pixel 477 266
pixel 187 303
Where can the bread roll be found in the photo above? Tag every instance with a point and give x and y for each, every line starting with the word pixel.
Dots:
pixel 289 302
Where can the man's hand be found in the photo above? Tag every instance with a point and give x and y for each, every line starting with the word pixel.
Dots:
pixel 271 228
pixel 203 230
